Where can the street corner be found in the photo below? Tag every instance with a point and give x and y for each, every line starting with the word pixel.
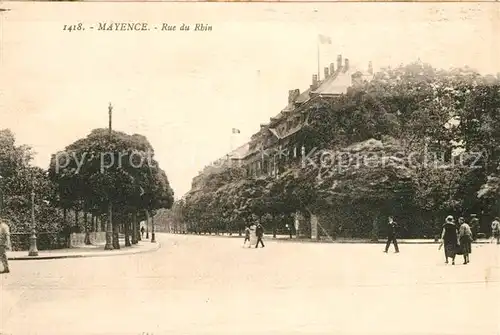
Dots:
pixel 141 248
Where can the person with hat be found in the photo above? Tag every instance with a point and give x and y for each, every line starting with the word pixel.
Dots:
pixel 495 230
pixel 391 236
pixel 474 226
pixel 247 235
pixel 449 238
pixel 259 231
pixel 4 245
pixel 465 239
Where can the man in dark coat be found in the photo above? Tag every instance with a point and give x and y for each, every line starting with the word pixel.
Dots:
pixel 391 236
pixel 259 231
pixel 474 226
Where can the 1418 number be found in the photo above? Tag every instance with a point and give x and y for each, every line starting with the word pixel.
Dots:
pixel 73 27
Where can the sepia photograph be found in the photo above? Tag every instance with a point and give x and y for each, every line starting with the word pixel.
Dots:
pixel 265 168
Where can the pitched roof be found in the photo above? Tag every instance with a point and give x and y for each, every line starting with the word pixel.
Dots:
pixel 336 84
pixel 240 152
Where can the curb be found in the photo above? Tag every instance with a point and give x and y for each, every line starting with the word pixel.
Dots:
pixel 103 253
pixel 362 242
pixel 300 240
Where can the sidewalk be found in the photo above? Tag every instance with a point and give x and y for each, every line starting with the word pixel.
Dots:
pixel 86 251
pixel 381 240
pixel 358 241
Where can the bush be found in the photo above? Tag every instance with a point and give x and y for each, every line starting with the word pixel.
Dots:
pixel 45 241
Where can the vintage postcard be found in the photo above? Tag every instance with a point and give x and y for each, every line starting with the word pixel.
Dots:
pixel 268 168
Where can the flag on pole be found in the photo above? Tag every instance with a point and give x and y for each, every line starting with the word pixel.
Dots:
pixel 324 39
pixel 235 131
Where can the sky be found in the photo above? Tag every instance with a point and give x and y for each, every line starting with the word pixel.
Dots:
pixel 185 91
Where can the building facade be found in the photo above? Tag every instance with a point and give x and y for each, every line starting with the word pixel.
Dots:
pixel 277 140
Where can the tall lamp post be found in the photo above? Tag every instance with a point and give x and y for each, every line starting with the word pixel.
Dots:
pixel 1 196
pixel 153 240
pixel 33 251
pixel 109 223
pixel 148 202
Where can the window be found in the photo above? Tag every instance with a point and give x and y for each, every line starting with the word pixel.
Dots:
pixel 282 129
pixel 297 120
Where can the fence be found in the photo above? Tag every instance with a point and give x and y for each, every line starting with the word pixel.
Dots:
pixel 53 241
pixel 45 241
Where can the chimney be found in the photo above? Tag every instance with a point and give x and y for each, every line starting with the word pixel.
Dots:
pixel 293 95
pixel 332 68
pixel 339 62
pixel 326 72
pixel 314 82
pixel 370 67
pixel 346 66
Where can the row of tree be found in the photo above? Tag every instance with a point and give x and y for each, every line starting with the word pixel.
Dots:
pixel 18 180
pixel 437 132
pixel 101 174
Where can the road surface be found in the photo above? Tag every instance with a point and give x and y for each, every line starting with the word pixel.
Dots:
pixel 210 285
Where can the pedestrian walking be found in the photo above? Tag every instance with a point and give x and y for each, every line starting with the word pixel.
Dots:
pixel 495 230
pixel 4 245
pixel 259 231
pixel 142 231
pixel 449 238
pixel 392 235
pixel 253 237
pixel 474 226
pixel 247 235
pixel 465 239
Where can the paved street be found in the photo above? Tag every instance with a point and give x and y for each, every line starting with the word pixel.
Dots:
pixel 200 285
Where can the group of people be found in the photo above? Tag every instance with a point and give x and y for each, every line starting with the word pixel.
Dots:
pixel 456 239
pixel 256 230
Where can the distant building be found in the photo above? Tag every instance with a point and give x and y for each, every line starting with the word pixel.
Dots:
pixel 233 159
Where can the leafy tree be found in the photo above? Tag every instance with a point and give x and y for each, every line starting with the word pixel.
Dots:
pixel 19 180
pixel 115 170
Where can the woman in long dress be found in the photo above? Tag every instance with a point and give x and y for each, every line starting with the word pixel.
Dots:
pixel 465 238
pixel 253 235
pixel 449 238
